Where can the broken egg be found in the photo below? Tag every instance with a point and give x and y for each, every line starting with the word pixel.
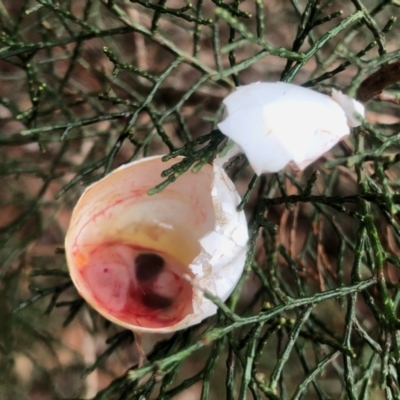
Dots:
pixel 144 261
pixel 276 124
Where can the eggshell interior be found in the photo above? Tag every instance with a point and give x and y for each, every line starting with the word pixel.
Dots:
pixel 117 231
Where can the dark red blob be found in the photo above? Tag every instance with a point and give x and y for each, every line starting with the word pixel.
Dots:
pixel 148 266
pixel 156 301
pixel 135 286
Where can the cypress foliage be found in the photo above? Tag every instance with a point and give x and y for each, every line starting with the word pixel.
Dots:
pixel 86 86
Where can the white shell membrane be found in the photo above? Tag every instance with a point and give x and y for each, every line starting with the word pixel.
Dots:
pixel 279 123
pixel 128 252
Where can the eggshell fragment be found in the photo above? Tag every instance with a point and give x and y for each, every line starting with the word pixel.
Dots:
pixel 128 253
pixel 279 123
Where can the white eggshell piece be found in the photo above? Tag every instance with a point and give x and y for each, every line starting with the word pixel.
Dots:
pixel 128 253
pixel 279 123
pixel 352 108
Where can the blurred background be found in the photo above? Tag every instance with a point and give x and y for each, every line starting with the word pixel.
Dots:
pixel 88 85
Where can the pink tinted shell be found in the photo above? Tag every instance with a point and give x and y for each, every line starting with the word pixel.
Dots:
pixel 128 253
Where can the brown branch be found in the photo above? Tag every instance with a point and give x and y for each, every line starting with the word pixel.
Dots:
pixel 378 81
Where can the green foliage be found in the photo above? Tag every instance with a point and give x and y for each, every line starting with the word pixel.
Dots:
pixel 87 86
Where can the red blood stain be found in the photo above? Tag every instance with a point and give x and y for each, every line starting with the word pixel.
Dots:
pixel 114 291
pixel 133 195
pixel 138 192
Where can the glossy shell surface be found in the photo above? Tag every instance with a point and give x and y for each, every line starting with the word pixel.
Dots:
pixel 275 124
pixel 128 253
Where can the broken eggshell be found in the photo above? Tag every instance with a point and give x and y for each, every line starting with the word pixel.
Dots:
pixel 276 124
pixel 144 261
